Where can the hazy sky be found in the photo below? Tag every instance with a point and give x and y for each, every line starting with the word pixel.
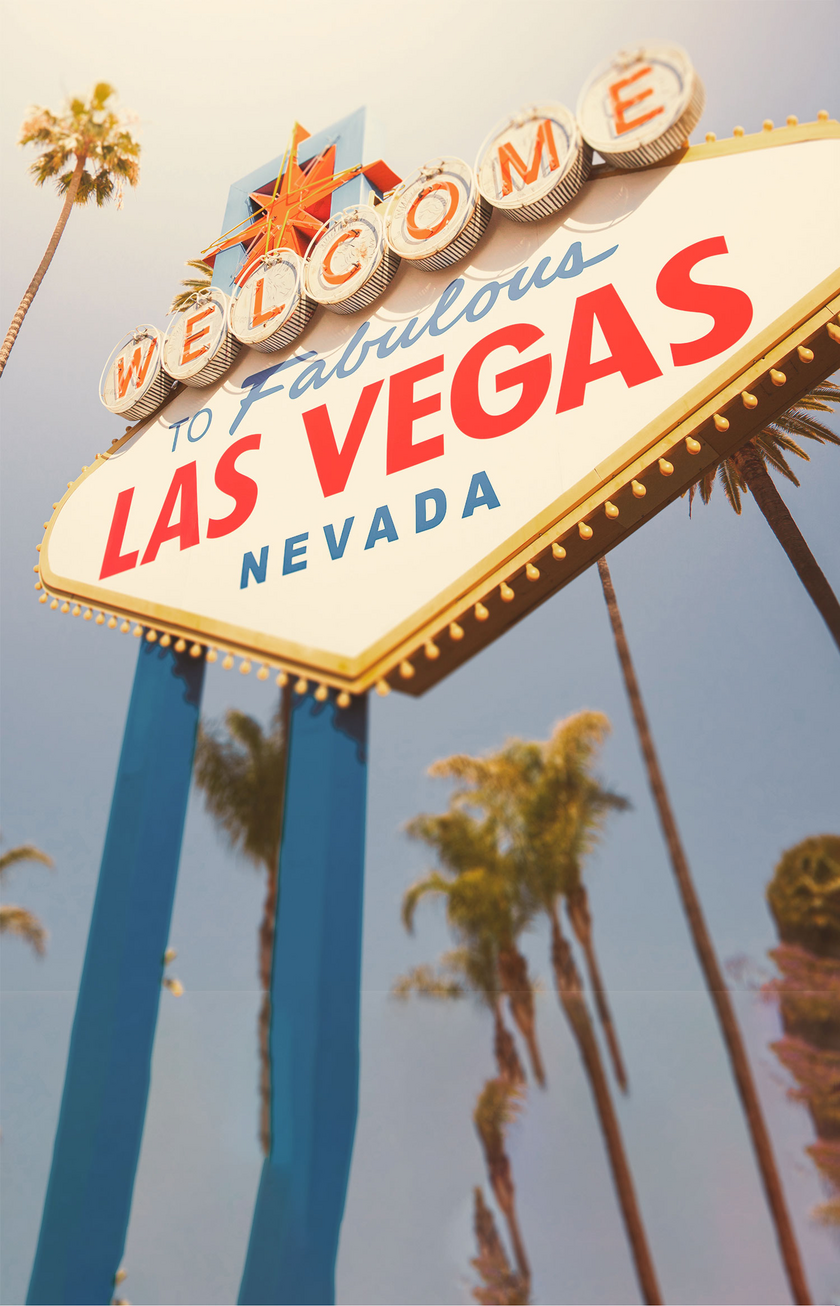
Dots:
pixel 739 673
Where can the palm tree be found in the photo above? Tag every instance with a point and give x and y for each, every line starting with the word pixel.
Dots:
pixel 485 911
pixel 748 469
pixel 535 823
pixel 548 797
pixel 193 285
pixel 707 958
pixel 17 920
pixel 804 897
pixel 88 153
pixel 241 770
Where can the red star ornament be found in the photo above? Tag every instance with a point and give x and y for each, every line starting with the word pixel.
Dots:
pixel 293 212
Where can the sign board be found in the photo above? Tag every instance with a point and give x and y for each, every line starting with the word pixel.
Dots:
pixel 383 497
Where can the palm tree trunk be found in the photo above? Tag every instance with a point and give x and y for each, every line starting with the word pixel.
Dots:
pixel 32 290
pixel 778 517
pixel 266 954
pixel 513 970
pixel 504 1050
pixel 570 993
pixel 704 948
pixel 265 936
pixel 577 905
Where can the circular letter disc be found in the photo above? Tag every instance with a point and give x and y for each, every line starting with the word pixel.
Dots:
pixel 348 264
pixel 641 105
pixel 133 382
pixel 534 162
pixel 198 347
pixel 437 215
pixel 268 309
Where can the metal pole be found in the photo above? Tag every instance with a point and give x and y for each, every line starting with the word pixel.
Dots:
pixel 106 1086
pixel 314 1041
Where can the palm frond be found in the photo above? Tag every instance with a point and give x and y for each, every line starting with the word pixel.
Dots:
pixel 194 285
pixel 90 131
pixel 778 438
pixel 427 982
pixel 23 924
pixel 25 852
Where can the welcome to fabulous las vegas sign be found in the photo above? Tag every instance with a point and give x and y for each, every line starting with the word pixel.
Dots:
pixel 412 421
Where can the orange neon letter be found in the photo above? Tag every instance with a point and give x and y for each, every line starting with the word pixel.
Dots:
pixel 124 378
pixel 258 315
pixel 338 278
pixel 509 157
pixel 423 233
pixel 620 106
pixel 190 336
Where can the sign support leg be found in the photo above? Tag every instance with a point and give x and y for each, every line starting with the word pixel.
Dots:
pixel 315 1009
pixel 103 1107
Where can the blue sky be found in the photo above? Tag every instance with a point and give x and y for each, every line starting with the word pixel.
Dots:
pixel 739 673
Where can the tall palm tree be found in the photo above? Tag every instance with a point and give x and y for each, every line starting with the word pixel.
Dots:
pixel 485 910
pixel 540 823
pixel 804 897
pixel 556 808
pixel 241 770
pixel 17 920
pixel 749 469
pixel 707 957
pixel 89 154
pixel 482 913
pixel 193 285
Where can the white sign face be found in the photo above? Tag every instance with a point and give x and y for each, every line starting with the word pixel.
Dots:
pixel 265 309
pixel 334 507
pixel 194 348
pixel 641 105
pixel 133 383
pixel 533 162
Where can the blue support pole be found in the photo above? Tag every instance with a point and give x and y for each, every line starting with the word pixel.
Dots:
pixel 315 1009
pixel 103 1107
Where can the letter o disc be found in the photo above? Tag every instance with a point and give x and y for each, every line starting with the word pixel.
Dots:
pixel 268 308
pixel 437 216
pixel 349 264
pixel 133 383
pixel 641 105
pixel 198 347
pixel 534 162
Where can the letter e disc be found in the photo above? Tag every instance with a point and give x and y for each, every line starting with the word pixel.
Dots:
pixel 437 216
pixel 133 383
pixel 349 264
pixel 534 162
pixel 268 309
pixel 198 347
pixel 641 105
